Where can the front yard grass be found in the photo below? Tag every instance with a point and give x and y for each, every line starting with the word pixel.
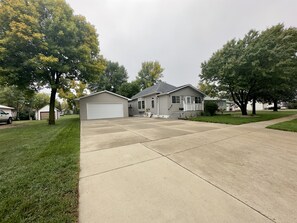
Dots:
pixel 235 118
pixel 39 166
pixel 285 126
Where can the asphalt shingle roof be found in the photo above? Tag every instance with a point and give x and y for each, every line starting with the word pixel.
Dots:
pixel 159 88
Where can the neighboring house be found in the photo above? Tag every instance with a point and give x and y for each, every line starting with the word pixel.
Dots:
pixel 8 110
pixel 223 104
pixel 43 113
pixel 167 101
pixel 102 105
pixel 259 106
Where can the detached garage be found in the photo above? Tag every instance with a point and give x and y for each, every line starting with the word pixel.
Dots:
pixel 43 113
pixel 103 104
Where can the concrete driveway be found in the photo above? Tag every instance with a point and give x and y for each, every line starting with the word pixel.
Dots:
pixel 156 170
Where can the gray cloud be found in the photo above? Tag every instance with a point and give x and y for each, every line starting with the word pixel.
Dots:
pixel 179 34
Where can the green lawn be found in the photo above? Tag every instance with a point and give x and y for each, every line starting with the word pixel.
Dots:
pixel 235 118
pixel 39 166
pixel 285 126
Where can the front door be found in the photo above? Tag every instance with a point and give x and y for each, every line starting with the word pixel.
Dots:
pixel 188 99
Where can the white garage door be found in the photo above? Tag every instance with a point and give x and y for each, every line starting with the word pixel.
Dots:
pixel 98 111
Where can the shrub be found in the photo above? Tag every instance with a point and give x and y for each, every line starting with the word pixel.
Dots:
pixel 292 105
pixel 210 108
pixel 25 115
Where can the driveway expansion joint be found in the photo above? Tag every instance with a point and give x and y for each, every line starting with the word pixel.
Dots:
pixel 207 181
pixel 224 191
pixel 118 168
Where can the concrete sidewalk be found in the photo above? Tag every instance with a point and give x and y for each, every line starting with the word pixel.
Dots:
pixel 155 170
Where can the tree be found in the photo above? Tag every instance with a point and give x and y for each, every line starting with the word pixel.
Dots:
pixel 150 74
pixel 112 78
pixel 129 89
pixel 279 64
pixel 23 101
pixel 42 43
pixel 261 66
pixel 232 69
pixel 13 97
pixel 209 89
pixel 40 100
pixel 75 89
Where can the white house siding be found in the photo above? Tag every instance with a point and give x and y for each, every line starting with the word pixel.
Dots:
pixel 259 106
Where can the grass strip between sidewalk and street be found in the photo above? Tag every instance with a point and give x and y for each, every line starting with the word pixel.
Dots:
pixel 39 171
pixel 285 126
pixel 235 118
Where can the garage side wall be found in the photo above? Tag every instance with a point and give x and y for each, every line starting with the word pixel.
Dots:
pixel 103 98
pixel 133 107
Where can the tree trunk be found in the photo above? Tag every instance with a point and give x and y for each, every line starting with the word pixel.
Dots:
pixel 254 106
pixel 274 105
pixel 52 119
pixel 243 109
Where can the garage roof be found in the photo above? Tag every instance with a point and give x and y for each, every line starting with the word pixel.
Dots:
pixel 5 107
pixel 100 92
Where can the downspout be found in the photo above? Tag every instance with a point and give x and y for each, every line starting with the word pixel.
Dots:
pixel 158 104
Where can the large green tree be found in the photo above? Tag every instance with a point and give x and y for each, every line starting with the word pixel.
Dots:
pixel 129 89
pixel 150 73
pixel 261 66
pixel 43 43
pixel 111 79
pixel 278 63
pixel 231 69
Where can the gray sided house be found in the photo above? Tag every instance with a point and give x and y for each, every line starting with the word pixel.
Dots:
pixel 167 101
pixel 222 103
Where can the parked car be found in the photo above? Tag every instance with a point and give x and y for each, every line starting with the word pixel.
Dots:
pixel 5 117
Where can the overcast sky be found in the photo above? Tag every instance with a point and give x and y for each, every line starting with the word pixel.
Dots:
pixel 180 34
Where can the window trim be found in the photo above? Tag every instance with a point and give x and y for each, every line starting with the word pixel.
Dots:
pixel 175 99
pixel 198 101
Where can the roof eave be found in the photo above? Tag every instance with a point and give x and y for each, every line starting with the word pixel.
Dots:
pixel 100 92
pixel 146 95
pixel 182 87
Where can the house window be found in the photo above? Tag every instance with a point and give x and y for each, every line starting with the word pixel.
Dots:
pixel 175 99
pixel 197 100
pixel 153 103
pixel 141 105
